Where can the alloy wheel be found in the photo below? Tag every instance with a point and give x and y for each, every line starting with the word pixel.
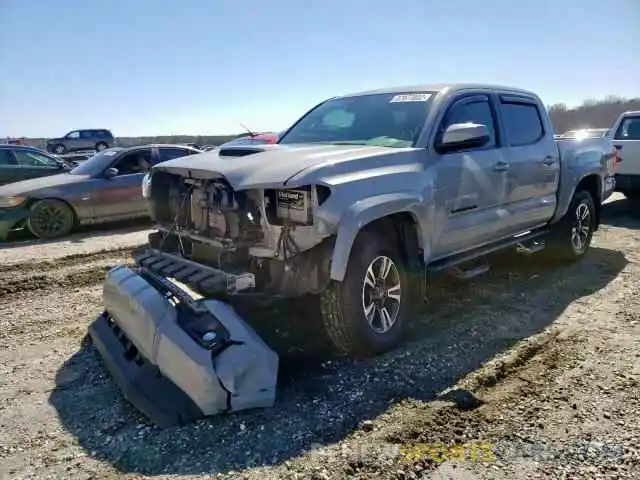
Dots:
pixel 381 294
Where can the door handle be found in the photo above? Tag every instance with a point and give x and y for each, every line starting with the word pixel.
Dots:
pixel 548 161
pixel 618 147
pixel 501 166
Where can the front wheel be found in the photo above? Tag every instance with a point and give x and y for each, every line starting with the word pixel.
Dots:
pixel 365 314
pixel 571 236
pixel 50 219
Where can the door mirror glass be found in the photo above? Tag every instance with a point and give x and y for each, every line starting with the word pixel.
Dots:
pixel 110 172
pixel 465 135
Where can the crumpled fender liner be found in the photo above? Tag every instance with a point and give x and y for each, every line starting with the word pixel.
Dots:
pixel 147 333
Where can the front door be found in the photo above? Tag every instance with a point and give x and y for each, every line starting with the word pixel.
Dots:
pixel 121 196
pixel 470 185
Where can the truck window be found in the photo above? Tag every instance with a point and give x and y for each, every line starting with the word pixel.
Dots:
pixel 475 111
pixel 522 123
pixel 629 129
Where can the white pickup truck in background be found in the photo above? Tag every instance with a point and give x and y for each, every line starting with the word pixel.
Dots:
pixel 626 139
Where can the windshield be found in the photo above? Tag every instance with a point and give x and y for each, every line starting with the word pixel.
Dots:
pixel 381 119
pixel 95 164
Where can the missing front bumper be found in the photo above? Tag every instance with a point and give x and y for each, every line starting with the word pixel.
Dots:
pixel 151 340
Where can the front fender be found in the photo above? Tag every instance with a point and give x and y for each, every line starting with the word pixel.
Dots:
pixel 361 214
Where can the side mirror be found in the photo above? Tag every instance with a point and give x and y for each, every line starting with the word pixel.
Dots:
pixel 464 135
pixel 110 172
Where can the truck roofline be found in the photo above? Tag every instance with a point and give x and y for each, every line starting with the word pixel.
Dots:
pixel 441 87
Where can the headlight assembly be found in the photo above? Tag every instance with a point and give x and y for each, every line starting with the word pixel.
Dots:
pixel 7 202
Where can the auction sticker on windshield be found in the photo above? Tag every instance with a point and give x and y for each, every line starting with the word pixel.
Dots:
pixel 411 97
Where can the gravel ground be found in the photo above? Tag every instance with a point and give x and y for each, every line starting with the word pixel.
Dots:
pixel 534 367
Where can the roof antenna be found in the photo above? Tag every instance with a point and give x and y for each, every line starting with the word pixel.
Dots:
pixel 250 132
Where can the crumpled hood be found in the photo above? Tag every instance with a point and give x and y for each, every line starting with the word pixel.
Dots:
pixel 274 165
pixel 34 184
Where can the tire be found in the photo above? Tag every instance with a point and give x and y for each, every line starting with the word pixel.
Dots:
pixel 50 219
pixel 59 149
pixel 343 304
pixel 577 224
pixel 101 146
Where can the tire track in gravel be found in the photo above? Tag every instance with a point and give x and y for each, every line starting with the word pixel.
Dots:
pixel 73 274
pixel 67 261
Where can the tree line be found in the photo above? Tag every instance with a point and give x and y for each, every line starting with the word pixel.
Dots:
pixel 591 114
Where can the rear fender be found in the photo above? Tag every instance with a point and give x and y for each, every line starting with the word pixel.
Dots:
pixel 363 213
pixel 568 190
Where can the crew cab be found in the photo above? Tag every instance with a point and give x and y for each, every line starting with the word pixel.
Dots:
pixel 626 140
pixel 368 192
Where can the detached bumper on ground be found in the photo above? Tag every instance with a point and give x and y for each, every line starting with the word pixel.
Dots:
pixel 175 358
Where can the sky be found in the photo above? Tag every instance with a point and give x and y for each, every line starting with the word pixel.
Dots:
pixel 202 67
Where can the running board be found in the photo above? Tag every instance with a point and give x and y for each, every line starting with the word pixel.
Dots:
pixel 455 260
pixel 470 273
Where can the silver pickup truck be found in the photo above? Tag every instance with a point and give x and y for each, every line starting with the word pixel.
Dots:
pixel 362 195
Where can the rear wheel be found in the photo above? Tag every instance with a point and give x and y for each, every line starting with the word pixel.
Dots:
pixel 101 146
pixel 50 219
pixel 365 314
pixel 572 235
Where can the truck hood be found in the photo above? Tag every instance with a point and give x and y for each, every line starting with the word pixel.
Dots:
pixel 32 185
pixel 271 166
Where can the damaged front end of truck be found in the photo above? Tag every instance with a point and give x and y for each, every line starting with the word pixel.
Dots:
pixel 168 334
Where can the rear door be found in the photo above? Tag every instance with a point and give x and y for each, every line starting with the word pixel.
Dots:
pixel 87 140
pixel 470 183
pixel 627 141
pixel 121 196
pixel 534 163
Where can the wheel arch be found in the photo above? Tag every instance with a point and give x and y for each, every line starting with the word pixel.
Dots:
pixel 383 214
pixel 591 182
pixel 76 217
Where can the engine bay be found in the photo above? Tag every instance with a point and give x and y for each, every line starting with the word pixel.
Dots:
pixel 268 232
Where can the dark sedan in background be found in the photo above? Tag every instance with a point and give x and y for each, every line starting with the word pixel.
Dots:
pixel 106 187
pixel 21 162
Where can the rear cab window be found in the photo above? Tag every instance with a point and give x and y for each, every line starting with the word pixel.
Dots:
pixel 522 121
pixel 629 128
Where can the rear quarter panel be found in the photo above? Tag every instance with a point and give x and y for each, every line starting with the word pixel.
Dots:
pixel 580 159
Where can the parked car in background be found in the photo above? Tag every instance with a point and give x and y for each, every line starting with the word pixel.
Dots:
pixel 257 139
pixel 585 133
pixel 20 162
pixel 84 139
pixel 626 140
pixel 106 187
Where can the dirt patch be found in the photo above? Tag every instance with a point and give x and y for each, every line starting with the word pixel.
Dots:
pixel 533 367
